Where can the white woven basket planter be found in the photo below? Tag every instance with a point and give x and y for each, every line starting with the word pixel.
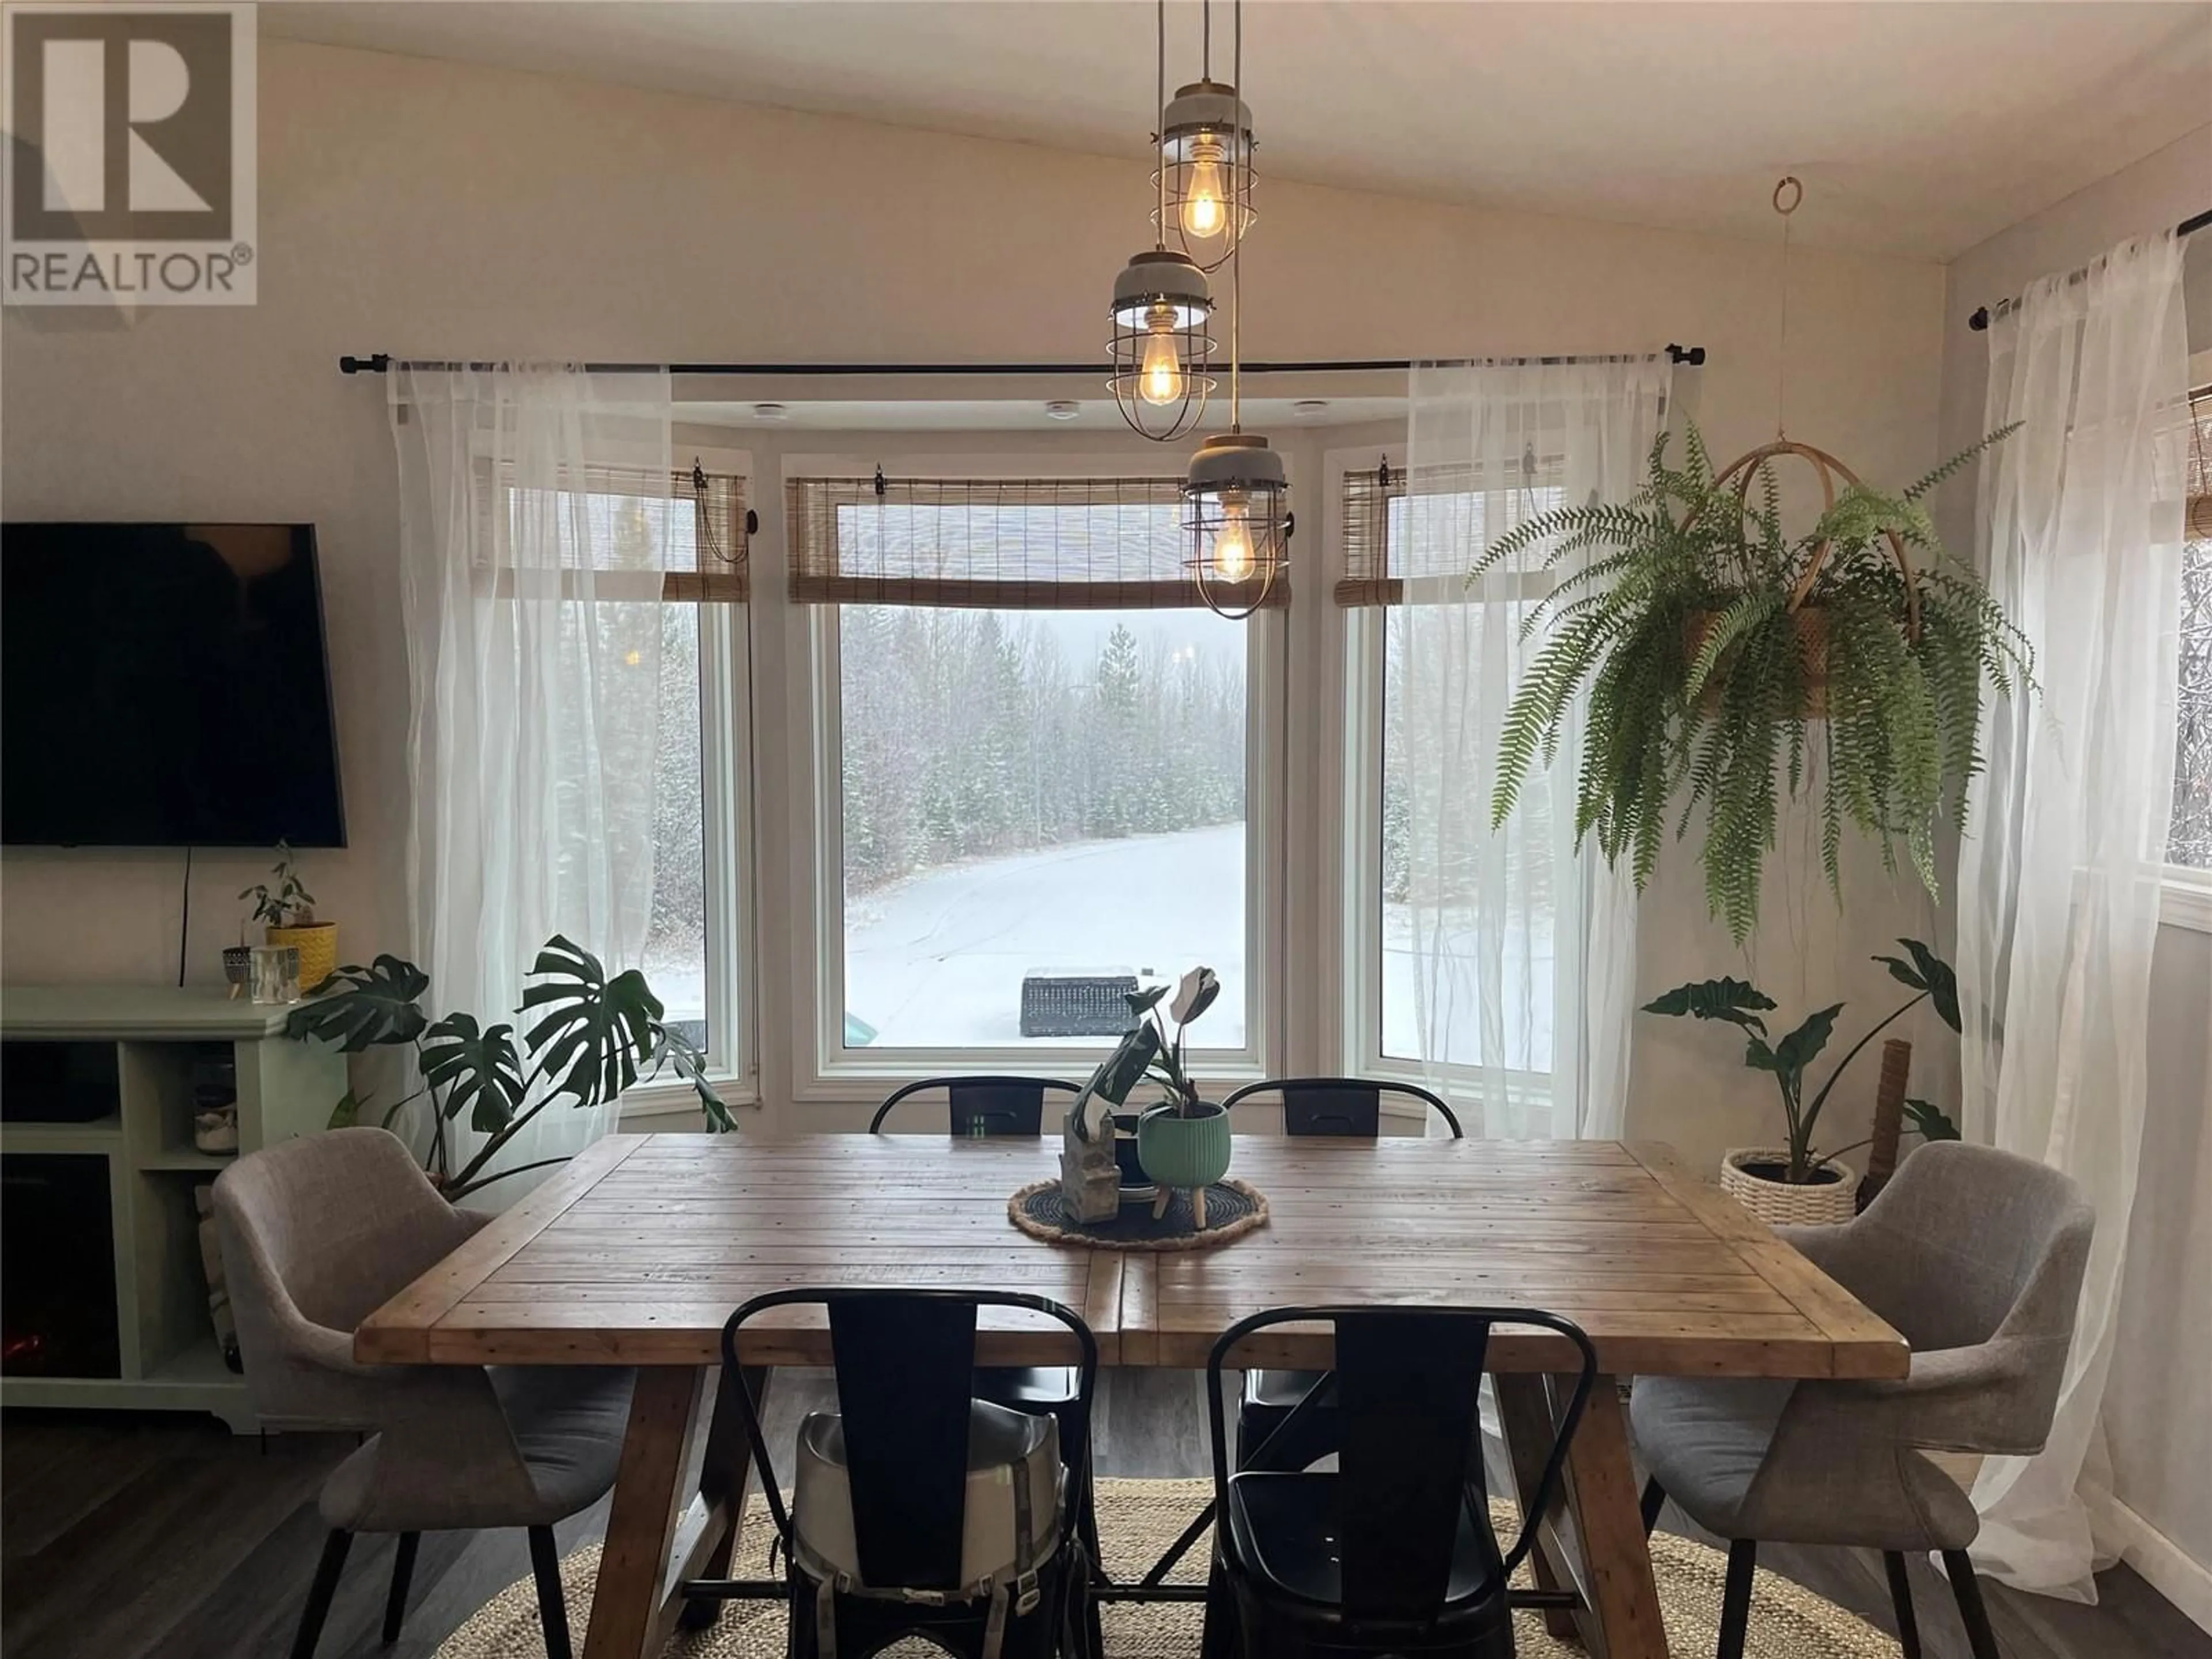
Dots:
pixel 1777 1203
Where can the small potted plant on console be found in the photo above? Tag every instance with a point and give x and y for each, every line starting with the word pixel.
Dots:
pixel 289 909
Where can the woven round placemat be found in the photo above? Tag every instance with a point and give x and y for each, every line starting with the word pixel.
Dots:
pixel 1138 1520
pixel 1232 1210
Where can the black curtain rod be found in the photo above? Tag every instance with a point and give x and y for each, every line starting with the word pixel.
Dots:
pixel 378 363
pixel 1981 319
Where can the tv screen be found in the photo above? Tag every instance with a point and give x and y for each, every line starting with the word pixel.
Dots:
pixel 164 685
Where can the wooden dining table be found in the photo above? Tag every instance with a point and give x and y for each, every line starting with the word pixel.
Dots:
pixel 636 1253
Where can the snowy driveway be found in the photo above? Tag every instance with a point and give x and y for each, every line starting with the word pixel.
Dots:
pixel 938 959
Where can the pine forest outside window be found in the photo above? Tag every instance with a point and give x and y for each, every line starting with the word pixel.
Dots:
pixel 2189 842
pixel 691 540
pixel 1041 759
pixel 1372 594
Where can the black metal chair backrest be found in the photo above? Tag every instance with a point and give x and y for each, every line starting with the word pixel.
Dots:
pixel 1407 1391
pixel 986 1105
pixel 1339 1105
pixel 905 1366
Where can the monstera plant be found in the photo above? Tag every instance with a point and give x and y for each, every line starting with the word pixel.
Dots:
pixel 590 1038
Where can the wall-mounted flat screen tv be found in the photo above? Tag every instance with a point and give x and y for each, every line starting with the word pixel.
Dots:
pixel 164 685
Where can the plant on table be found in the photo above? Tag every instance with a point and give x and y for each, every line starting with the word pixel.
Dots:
pixel 1740 1004
pixel 1710 643
pixel 592 1036
pixel 287 903
pixel 1163 1054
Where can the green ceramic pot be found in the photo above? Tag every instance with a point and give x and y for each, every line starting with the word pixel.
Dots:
pixel 1184 1151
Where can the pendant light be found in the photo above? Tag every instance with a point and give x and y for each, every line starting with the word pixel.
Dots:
pixel 1206 157
pixel 1236 497
pixel 1163 305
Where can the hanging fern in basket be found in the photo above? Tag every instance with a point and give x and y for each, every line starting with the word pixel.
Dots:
pixel 1727 663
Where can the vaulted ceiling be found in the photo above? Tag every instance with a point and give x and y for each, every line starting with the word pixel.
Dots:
pixel 1920 129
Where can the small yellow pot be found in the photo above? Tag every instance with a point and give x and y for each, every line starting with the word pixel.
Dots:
pixel 318 945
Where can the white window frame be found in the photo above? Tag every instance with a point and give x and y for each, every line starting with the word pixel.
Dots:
pixel 726 774
pixel 823 1070
pixel 1359 638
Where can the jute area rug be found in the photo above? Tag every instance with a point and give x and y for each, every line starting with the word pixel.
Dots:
pixel 1138 1519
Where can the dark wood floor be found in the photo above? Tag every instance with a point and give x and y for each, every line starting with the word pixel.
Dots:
pixel 156 1537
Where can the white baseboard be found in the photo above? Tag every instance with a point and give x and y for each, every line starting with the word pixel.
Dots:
pixel 2164 1564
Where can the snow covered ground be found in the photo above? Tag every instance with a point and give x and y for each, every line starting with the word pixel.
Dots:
pixel 1523 1016
pixel 939 958
pixel 937 961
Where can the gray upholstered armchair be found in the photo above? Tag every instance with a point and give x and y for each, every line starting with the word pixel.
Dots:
pixel 317 1234
pixel 1976 1257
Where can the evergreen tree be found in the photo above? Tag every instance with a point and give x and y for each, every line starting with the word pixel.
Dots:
pixel 965 735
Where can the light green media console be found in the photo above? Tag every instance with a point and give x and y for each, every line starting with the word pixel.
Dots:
pixel 166 1355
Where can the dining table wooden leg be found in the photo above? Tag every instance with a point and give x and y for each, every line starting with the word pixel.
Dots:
pixel 1615 1555
pixel 1524 1413
pixel 726 1474
pixel 630 1619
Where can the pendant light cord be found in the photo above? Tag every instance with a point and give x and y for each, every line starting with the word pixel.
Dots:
pixel 1206 39
pixel 1236 337
pixel 1160 128
pixel 1796 190
pixel 1236 253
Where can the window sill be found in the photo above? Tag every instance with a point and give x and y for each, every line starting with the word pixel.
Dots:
pixel 2187 900
pixel 661 1105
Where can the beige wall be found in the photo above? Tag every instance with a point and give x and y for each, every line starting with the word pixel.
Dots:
pixel 429 209
pixel 2155 194
pixel 2161 1438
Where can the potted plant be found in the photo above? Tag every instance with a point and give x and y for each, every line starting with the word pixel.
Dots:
pixel 1184 1140
pixel 592 1036
pixel 1796 1183
pixel 1711 643
pixel 290 909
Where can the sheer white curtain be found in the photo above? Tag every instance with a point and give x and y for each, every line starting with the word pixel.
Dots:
pixel 1521 948
pixel 532 606
pixel 2059 885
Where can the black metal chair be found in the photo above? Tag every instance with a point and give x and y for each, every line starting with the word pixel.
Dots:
pixel 905 1366
pixel 1393 1553
pixel 1340 1105
pixel 1348 1106
pixel 989 1107
pixel 985 1105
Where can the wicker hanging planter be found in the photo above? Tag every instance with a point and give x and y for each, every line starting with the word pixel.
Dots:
pixel 1810 621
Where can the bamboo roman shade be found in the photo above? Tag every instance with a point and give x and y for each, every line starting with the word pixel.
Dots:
pixel 2198 526
pixel 691 539
pixel 1367 578
pixel 992 544
pixel 720 571
pixel 1453 512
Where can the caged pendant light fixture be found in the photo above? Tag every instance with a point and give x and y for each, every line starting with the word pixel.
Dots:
pixel 1206 143
pixel 1163 305
pixel 1236 496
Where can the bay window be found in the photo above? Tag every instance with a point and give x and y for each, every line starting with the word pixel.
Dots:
pixel 1036 762
pixel 1410 912
pixel 677 542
